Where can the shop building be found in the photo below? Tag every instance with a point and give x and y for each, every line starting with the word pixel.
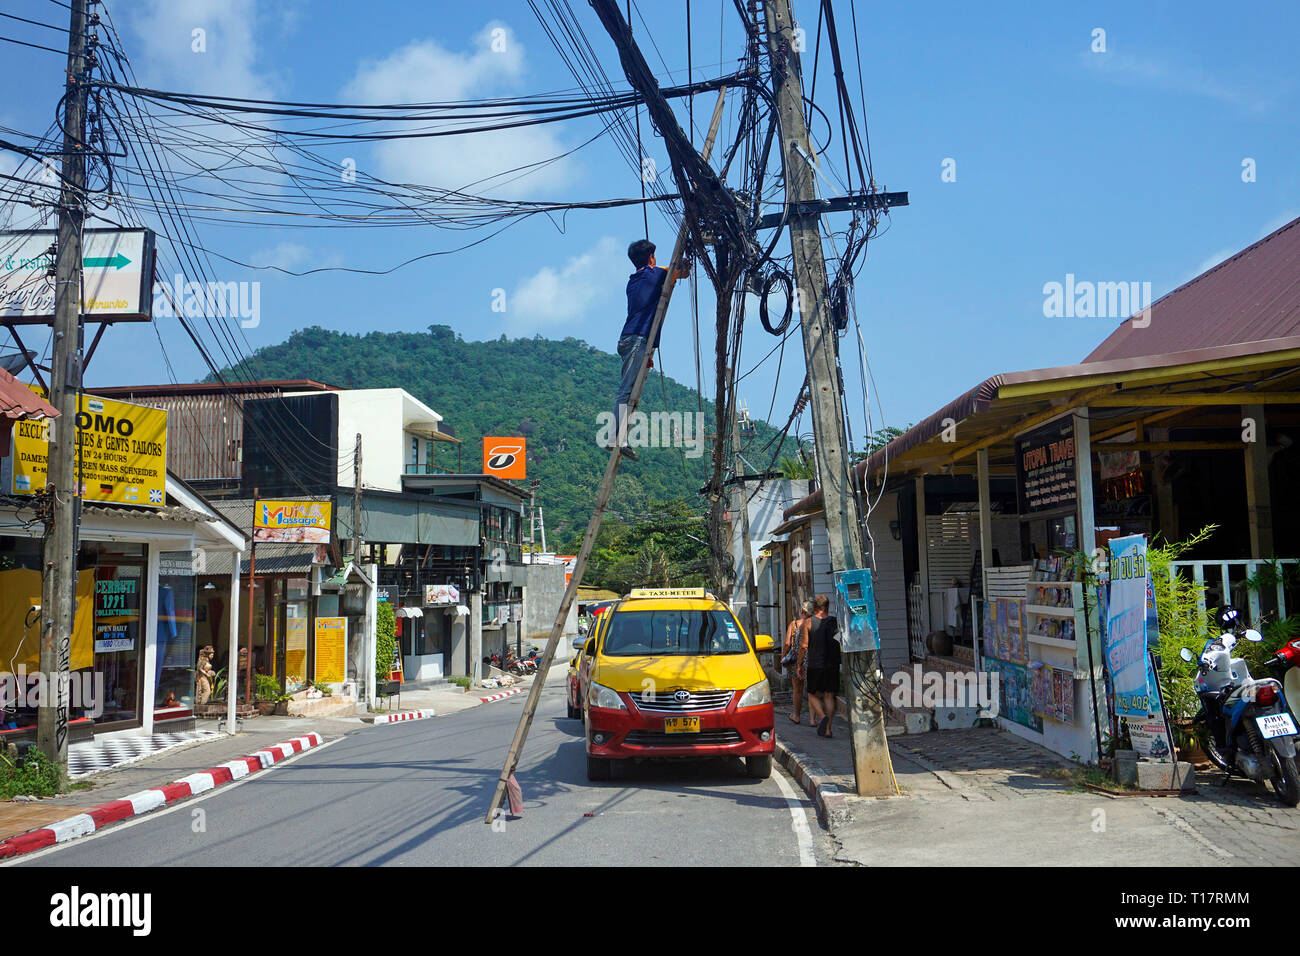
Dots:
pixel 1186 415
pixel 141 615
pixel 446 547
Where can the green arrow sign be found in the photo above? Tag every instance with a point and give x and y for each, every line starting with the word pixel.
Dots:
pixel 104 262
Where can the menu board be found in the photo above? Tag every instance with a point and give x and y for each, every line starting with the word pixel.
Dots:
pixel 331 642
pixel 1045 477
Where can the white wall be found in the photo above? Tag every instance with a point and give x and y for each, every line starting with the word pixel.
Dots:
pixel 377 414
pixel 889 585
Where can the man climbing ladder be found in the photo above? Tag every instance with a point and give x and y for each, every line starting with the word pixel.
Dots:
pixel 644 290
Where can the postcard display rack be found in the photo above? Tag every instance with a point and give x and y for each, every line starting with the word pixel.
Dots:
pixel 1039 648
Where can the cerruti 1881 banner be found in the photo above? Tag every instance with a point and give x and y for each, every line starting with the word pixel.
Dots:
pixel 292 521
pixel 121 453
pixel 505 457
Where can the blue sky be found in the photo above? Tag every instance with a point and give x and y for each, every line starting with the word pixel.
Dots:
pixel 1123 165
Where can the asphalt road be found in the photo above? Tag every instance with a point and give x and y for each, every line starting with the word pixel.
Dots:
pixel 415 793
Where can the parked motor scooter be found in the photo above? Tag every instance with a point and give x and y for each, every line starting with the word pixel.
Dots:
pixel 1285 665
pixel 1244 724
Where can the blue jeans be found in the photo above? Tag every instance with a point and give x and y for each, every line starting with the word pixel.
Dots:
pixel 632 350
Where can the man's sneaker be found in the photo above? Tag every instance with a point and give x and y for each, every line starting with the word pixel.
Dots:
pixel 629 453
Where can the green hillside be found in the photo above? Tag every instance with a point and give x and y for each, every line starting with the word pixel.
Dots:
pixel 546 390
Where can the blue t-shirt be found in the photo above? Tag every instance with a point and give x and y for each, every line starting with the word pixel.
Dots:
pixel 643 289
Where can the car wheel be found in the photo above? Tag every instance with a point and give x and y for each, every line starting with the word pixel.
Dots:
pixel 599 768
pixel 574 712
pixel 760 768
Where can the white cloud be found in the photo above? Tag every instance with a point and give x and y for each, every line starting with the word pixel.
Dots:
pixel 228 63
pixel 295 257
pixel 567 294
pixel 423 71
pixel 1166 76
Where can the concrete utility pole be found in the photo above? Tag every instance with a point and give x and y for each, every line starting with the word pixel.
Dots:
pixel 59 563
pixel 356 502
pixel 862 669
pixel 747 552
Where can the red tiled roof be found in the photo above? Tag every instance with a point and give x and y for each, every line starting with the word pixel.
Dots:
pixel 1253 296
pixel 19 401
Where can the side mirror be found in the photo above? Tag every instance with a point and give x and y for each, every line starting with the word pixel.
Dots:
pixel 1254 635
pixel 578 642
pixel 1186 655
pixel 590 649
pixel 764 642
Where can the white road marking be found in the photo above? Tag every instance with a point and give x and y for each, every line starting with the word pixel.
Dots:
pixel 1180 824
pixel 182 804
pixel 798 819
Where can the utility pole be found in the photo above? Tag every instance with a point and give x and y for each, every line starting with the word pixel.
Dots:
pixel 356 501
pixel 59 562
pixel 871 762
pixel 747 554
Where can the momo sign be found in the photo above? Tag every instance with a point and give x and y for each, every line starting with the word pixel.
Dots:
pixel 116 274
pixel 292 521
pixel 121 453
pixel 505 457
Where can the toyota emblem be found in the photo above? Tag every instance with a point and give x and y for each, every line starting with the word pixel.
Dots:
pixel 682 696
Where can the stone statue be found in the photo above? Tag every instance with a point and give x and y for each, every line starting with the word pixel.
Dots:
pixel 205 677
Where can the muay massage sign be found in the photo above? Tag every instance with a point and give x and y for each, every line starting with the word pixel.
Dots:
pixel 1045 475
pixel 121 451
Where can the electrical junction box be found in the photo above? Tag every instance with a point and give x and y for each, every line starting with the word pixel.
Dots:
pixel 856 609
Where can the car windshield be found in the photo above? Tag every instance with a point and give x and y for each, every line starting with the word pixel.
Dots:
pixel 679 632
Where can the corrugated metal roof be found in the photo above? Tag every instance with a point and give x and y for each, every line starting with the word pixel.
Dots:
pixel 19 401
pixel 1253 296
pixel 1247 305
pixel 166 513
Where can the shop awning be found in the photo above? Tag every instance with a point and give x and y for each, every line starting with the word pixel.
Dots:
pixel 409 612
pixel 787 526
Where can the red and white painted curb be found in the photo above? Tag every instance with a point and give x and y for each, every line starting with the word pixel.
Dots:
pixel 508 693
pixel 146 800
pixel 405 715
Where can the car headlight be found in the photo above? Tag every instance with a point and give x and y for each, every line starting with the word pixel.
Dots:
pixel 602 696
pixel 760 693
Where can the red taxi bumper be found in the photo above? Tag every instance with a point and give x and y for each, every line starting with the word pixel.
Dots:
pixel 622 734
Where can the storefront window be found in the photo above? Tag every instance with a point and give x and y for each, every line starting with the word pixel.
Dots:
pixel 119 640
pixel 177 654
pixel 296 622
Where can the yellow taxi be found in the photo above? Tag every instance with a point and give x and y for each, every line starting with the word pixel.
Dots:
pixel 671 673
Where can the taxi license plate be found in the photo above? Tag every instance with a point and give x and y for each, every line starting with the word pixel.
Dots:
pixel 1276 725
pixel 681 725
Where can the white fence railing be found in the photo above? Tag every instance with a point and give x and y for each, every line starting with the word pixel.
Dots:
pixel 1226 580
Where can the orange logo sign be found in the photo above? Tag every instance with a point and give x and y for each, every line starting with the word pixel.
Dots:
pixel 505 457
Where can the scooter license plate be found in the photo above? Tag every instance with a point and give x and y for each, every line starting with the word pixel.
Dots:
pixel 1276 725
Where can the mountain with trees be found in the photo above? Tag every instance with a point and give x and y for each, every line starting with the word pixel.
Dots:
pixel 550 392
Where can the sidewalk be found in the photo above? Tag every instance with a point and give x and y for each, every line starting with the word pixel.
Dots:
pixel 986 797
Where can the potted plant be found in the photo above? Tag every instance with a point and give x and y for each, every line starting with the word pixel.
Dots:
pixel 268 699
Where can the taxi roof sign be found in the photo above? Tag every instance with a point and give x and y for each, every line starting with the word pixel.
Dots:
pixel 698 594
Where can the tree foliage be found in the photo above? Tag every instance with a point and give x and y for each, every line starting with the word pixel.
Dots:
pixel 550 391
